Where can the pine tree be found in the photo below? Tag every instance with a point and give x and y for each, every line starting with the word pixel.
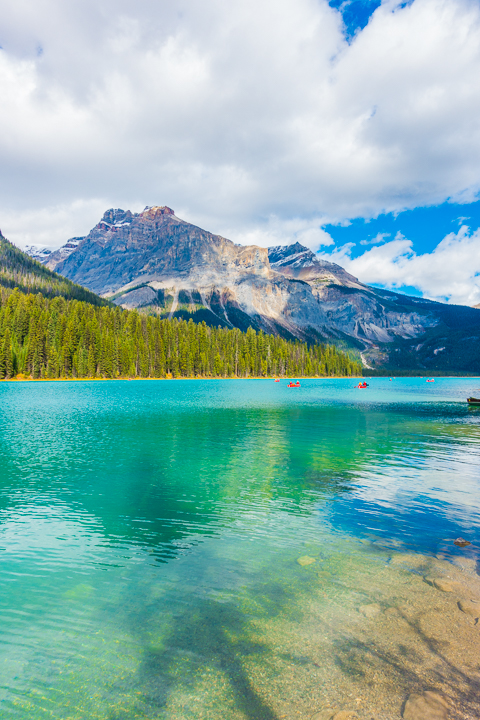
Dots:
pixel 9 365
pixel 91 364
pixel 3 363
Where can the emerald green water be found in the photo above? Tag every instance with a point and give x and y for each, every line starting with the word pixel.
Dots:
pixel 150 533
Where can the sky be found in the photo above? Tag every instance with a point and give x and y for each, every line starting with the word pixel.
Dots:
pixel 351 127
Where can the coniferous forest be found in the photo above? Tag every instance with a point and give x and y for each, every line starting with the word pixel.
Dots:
pixel 18 270
pixel 55 337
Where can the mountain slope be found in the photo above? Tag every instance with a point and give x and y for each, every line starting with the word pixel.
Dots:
pixel 297 261
pixel 398 332
pixel 156 261
pixel 18 269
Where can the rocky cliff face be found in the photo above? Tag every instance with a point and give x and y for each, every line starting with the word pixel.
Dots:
pixel 299 262
pixel 351 307
pixel 155 260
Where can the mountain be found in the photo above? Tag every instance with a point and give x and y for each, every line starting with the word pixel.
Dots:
pixel 19 270
pixel 398 332
pixel 156 261
pixel 297 261
pixel 46 333
pixel 38 252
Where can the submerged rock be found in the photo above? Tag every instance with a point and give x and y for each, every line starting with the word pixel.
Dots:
pixel 305 560
pixel 446 585
pixel 470 607
pixel 345 715
pixel 392 611
pixel 371 610
pixel 426 706
pixel 461 542
pixel 443 584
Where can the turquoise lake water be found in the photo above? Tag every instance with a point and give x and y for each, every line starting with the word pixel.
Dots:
pixel 151 532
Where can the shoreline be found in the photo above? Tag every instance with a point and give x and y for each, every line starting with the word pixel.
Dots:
pixel 290 377
pixel 126 379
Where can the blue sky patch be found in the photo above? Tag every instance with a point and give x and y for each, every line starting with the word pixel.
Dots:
pixel 355 13
pixel 424 226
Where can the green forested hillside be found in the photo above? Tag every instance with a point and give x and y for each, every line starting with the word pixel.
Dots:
pixel 18 270
pixel 49 337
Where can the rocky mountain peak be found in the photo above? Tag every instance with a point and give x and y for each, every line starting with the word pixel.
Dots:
pixel 285 254
pixel 38 252
pixel 116 218
pixel 154 246
pixel 156 210
pixel 116 215
pixel 297 261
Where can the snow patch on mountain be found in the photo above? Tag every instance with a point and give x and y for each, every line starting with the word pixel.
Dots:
pixel 38 252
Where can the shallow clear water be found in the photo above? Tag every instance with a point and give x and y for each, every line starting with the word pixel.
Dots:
pixel 150 533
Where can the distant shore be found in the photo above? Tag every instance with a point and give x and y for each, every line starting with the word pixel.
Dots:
pixel 290 377
pixel 123 379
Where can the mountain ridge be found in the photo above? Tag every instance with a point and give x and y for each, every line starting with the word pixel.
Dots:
pixel 157 262
pixel 19 270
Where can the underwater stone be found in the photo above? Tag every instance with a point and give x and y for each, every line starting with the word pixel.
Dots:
pixel 305 560
pixel 345 715
pixel 443 584
pixel 392 611
pixel 370 611
pixel 446 585
pixel 470 607
pixel 427 706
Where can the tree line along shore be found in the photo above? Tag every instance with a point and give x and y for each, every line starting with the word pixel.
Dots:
pixel 52 338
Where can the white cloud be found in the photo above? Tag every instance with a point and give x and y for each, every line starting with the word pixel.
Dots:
pixel 51 226
pixel 284 232
pixel 235 113
pixel 449 273
pixel 379 238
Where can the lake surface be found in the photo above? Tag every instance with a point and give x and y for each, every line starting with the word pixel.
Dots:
pixel 151 533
